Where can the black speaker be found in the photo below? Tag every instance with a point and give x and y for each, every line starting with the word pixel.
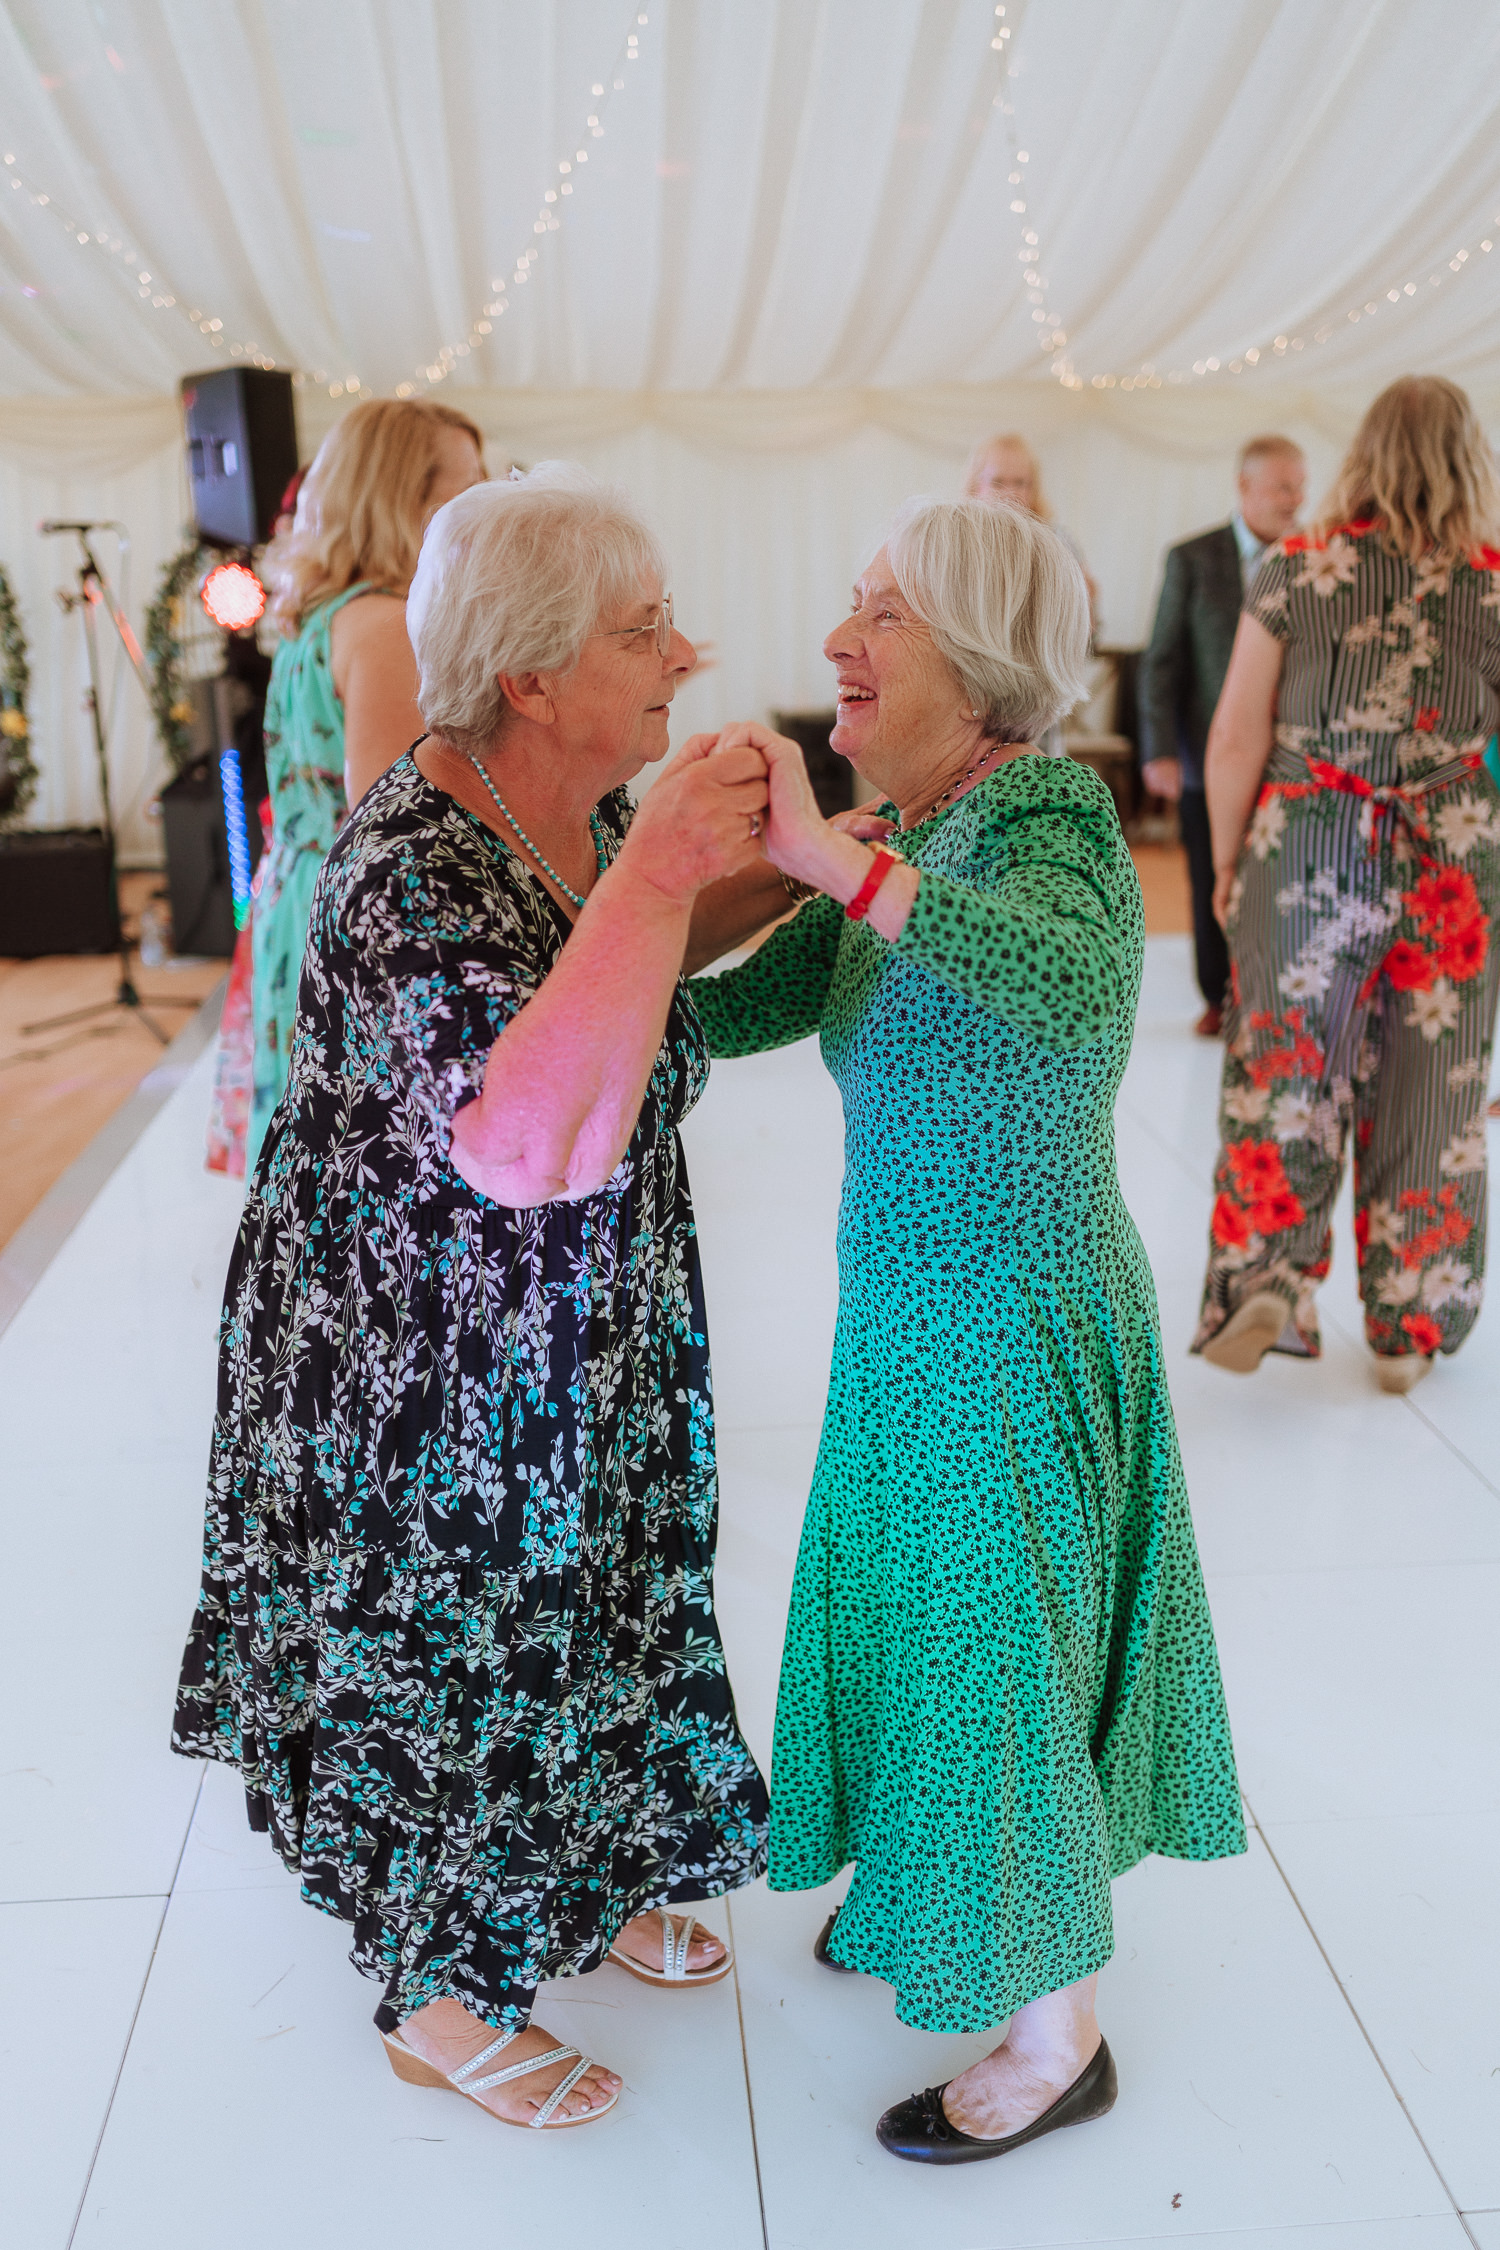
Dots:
pixel 242 451
pixel 200 868
pixel 55 894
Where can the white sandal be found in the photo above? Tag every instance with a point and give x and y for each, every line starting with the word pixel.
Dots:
pixel 409 2065
pixel 674 1953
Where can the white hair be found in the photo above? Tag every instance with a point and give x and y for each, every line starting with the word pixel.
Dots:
pixel 1005 602
pixel 513 577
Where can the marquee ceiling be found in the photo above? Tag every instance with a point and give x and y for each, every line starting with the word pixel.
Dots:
pixel 777 194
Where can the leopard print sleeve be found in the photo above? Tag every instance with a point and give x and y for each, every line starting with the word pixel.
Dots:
pixel 1038 937
pixel 777 996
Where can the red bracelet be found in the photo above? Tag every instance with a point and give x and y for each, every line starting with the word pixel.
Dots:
pixel 859 906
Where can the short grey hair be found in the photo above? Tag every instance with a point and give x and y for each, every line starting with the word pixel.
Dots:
pixel 513 577
pixel 1269 446
pixel 1005 602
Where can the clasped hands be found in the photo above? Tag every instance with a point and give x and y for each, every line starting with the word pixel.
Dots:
pixel 732 799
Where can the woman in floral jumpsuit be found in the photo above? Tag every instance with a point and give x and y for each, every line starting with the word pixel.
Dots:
pixel 1359 897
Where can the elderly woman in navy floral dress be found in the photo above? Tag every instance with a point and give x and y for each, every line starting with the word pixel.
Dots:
pixel 456 1626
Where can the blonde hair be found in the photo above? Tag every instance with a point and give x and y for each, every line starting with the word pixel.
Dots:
pixel 513 578
pixel 1040 506
pixel 362 507
pixel 1004 601
pixel 1422 467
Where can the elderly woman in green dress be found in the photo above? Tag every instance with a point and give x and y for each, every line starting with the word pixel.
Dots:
pixel 1000 1686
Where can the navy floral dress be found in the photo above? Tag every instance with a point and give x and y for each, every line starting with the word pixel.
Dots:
pixel 456 1625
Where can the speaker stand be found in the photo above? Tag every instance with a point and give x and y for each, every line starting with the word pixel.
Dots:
pixel 90 593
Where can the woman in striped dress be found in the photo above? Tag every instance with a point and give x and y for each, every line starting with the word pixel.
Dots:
pixel 1357 846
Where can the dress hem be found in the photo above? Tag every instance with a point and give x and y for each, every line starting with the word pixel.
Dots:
pixel 1057 1980
pixel 685 1891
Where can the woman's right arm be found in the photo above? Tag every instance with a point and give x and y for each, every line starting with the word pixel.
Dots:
pixel 1239 746
pixel 564 1082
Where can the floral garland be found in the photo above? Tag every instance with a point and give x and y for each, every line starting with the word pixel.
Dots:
pixel 15 728
pixel 172 705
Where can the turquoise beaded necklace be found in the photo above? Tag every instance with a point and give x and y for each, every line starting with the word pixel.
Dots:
pixel 545 864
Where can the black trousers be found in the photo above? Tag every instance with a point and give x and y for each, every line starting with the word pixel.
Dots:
pixel 1210 952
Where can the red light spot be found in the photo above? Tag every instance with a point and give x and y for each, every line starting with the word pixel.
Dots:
pixel 233 596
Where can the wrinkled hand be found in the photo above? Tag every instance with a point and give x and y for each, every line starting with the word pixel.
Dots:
pixel 1163 777
pixel 796 831
pixel 694 824
pixel 869 827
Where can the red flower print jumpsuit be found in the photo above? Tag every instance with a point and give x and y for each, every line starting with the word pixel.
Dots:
pixel 1364 977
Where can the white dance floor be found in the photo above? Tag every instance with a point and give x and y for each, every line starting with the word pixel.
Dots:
pixel 1308 2038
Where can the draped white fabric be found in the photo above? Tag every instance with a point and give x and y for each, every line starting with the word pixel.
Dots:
pixel 786 287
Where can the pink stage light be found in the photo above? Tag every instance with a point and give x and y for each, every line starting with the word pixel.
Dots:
pixel 233 596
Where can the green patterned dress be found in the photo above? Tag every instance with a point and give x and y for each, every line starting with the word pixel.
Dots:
pixel 305 777
pixel 1000 1686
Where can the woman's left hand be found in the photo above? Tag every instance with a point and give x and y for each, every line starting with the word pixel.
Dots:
pixel 869 827
pixel 1223 885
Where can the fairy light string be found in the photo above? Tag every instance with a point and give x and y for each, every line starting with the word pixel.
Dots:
pixel 150 287
pixel 154 291
pixel 548 220
pixel 1147 376
pixel 1051 335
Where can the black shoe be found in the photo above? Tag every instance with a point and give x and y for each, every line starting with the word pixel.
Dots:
pixel 821 1952
pixel 919 2128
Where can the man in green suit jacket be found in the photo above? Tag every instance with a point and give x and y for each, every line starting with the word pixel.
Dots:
pixel 1182 671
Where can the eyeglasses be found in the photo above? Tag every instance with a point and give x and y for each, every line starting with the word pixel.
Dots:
pixel 660 625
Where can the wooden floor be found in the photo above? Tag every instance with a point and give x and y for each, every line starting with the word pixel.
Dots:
pixel 58 1087
pixel 1162 869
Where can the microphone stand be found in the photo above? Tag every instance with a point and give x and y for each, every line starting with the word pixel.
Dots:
pixel 94 590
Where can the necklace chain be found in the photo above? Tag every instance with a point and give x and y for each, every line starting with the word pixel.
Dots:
pixel 962 782
pixel 545 864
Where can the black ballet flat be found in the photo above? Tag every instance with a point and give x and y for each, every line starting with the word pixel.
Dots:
pixel 821 1952
pixel 919 2128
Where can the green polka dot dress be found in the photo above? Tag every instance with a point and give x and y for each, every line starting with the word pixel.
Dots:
pixel 1000 1686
